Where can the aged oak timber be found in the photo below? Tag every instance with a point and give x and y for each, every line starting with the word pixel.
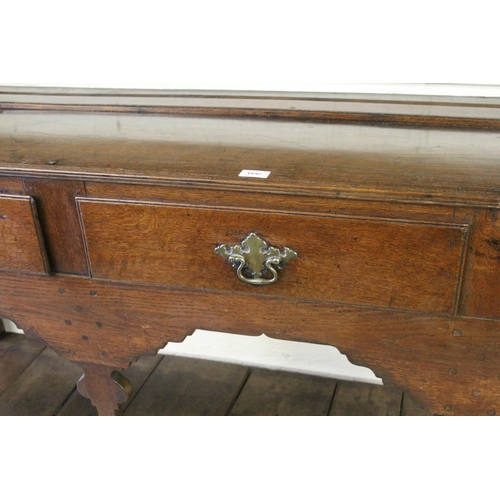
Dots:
pixel 128 219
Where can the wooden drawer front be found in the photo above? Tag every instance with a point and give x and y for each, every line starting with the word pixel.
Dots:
pixel 400 265
pixel 21 243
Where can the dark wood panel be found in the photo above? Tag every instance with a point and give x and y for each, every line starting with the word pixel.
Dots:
pixel 280 393
pixel 479 296
pixel 21 243
pixel 137 374
pixel 59 220
pixel 358 399
pixel 386 264
pixel 11 185
pixel 16 353
pixel 187 386
pixel 42 388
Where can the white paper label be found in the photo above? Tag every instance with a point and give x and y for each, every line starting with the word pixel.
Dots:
pixel 260 174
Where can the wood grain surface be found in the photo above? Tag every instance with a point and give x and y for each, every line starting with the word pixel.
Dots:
pixel 356 399
pixel 390 202
pixel 22 247
pixel 453 166
pixel 56 206
pixel 16 354
pixel 450 365
pixel 40 390
pixel 398 265
pixel 137 374
pixel 280 393
pixel 202 387
pixel 11 185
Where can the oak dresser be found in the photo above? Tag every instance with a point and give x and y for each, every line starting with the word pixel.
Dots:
pixel 128 219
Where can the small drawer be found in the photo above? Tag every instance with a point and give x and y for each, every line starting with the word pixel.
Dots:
pixel 375 262
pixel 21 241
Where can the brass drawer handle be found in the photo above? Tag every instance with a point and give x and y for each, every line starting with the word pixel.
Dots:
pixel 254 256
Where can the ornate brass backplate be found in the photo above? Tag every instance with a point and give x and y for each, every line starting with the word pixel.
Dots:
pixel 253 256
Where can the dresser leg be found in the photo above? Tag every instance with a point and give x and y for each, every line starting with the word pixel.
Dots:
pixel 106 388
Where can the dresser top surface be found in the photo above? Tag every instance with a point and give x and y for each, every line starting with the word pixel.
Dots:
pixel 428 148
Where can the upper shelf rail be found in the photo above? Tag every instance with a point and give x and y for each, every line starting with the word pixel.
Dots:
pixel 380 109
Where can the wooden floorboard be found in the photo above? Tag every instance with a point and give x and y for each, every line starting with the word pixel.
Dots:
pixel 17 352
pixel 42 388
pixel 187 386
pixel 34 381
pixel 359 399
pixel 410 408
pixel 279 393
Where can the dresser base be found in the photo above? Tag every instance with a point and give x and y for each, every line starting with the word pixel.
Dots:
pixel 449 365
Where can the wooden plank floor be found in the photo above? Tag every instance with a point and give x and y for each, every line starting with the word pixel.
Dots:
pixel 34 381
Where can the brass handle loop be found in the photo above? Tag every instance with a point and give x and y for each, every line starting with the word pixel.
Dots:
pixel 255 281
pixel 254 256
